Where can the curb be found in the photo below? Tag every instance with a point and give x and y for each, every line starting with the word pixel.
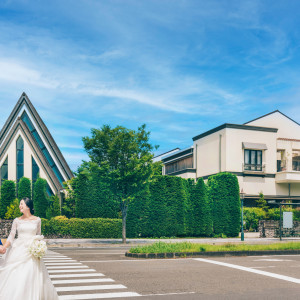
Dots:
pixel 212 253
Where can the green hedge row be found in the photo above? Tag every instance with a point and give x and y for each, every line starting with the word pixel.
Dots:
pixel 61 227
pixel 173 206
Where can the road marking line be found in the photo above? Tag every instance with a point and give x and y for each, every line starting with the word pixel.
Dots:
pixel 82 281
pixel 62 264
pixel 262 267
pixel 71 271
pixel 77 275
pixel 90 287
pixel 58 259
pixel 67 267
pixel 99 296
pixel 269 274
pixel 183 293
pixel 271 259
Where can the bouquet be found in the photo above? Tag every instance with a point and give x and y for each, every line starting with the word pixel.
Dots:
pixel 38 248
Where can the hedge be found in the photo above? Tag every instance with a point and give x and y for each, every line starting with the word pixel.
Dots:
pixel 225 198
pixel 40 198
pixel 8 194
pixel 24 188
pixel 200 218
pixel 93 198
pixel 61 227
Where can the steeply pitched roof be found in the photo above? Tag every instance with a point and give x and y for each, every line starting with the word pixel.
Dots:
pixel 24 100
pixel 275 111
pixel 18 126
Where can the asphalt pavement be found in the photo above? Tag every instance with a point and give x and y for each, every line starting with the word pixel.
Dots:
pixel 105 273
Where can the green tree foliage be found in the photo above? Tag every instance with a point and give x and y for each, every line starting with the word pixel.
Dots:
pixel 261 202
pixel 40 198
pixel 24 188
pixel 53 209
pixel 8 194
pixel 69 204
pixel 201 211
pixel 157 168
pixel 13 210
pixel 124 158
pixel 224 196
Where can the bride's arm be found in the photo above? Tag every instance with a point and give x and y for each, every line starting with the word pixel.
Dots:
pixel 10 238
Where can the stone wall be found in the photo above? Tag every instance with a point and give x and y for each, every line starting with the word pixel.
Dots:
pixel 5 226
pixel 270 229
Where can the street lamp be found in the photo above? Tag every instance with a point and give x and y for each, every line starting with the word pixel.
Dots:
pixel 242 196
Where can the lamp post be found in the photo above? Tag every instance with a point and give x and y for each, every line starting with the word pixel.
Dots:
pixel 242 196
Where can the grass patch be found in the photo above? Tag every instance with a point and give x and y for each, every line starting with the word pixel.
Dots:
pixel 162 247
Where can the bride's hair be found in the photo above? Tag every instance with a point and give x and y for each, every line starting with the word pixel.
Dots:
pixel 29 203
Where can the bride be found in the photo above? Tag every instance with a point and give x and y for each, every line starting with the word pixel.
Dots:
pixel 22 276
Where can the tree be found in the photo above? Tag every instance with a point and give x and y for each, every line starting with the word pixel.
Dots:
pixel 124 158
pixel 13 210
pixel 24 188
pixel 202 219
pixel 40 198
pixel 8 194
pixel 261 202
pixel 53 209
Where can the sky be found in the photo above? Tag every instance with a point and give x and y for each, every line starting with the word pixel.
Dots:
pixel 182 67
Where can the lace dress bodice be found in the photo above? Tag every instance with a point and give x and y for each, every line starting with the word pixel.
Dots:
pixel 25 228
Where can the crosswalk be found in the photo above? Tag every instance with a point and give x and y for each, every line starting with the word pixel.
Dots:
pixel 75 281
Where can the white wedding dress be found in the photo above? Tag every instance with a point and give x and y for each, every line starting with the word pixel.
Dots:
pixel 22 276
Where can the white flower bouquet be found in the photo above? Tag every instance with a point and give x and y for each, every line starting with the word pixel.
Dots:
pixel 38 248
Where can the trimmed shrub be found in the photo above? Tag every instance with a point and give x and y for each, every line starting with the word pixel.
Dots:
pixel 40 198
pixel 167 207
pixel 93 198
pixel 8 194
pixel 137 215
pixel 62 227
pixel 252 216
pixel 13 210
pixel 24 188
pixel 54 207
pixel 201 211
pixel 225 198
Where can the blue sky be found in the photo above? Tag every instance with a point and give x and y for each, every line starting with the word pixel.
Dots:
pixel 180 66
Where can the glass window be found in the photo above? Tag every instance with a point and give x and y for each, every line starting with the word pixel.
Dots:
pixel 296 160
pixel 35 171
pixel 253 160
pixel 42 146
pixel 20 158
pixel 4 171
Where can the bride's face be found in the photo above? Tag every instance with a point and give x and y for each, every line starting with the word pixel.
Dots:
pixel 23 207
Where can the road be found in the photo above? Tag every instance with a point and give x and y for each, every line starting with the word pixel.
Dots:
pixel 104 273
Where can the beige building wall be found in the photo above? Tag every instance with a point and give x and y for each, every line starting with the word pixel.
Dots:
pixel 208 153
pixel 286 127
pixel 235 151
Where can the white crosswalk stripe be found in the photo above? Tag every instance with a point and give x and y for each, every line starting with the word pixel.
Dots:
pixel 70 278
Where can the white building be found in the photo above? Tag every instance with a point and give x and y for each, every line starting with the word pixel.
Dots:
pixel 264 154
pixel 28 149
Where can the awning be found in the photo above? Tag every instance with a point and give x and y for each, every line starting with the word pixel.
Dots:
pixel 255 146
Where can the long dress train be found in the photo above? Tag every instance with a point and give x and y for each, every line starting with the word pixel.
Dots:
pixel 22 276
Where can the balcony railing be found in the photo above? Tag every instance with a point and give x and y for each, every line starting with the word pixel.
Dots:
pixel 254 168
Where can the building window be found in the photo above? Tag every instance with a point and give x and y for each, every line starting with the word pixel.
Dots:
pixel 253 160
pixel 179 165
pixel 4 171
pixel 42 146
pixel 35 171
pixel 296 160
pixel 281 161
pixel 20 158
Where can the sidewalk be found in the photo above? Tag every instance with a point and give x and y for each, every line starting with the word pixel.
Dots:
pixel 93 243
